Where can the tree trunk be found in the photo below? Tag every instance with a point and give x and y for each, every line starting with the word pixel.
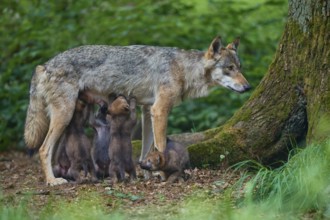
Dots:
pixel 291 102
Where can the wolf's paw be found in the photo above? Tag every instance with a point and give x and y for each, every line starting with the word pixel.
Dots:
pixel 56 181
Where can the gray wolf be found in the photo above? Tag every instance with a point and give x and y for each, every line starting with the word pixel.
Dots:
pixel 73 151
pixel 158 77
pixel 173 161
pixel 122 123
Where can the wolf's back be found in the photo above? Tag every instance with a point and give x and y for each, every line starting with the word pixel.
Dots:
pixel 37 122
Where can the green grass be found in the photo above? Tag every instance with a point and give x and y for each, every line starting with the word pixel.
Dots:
pixel 89 206
pixel 14 212
pixel 298 189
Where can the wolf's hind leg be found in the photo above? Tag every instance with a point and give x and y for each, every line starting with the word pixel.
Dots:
pixel 61 102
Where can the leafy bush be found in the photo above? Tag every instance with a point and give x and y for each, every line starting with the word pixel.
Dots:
pixel 34 31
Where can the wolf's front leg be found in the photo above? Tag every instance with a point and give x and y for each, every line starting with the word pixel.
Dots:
pixel 159 123
pixel 147 136
pixel 159 113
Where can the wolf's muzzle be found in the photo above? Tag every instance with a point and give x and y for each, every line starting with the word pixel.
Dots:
pixel 247 87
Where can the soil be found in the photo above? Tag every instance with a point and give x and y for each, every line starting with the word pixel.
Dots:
pixel 21 175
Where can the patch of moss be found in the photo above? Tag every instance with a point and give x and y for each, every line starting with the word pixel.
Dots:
pixel 211 152
pixel 210 133
pixel 205 154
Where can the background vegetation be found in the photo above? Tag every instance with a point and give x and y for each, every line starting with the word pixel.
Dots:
pixel 31 32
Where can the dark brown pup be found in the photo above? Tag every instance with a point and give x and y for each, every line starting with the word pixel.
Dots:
pixel 73 151
pixel 172 162
pixel 123 119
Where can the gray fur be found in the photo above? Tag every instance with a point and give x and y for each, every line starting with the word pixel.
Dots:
pixel 131 71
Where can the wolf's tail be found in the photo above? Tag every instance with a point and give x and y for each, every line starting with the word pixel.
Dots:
pixel 37 122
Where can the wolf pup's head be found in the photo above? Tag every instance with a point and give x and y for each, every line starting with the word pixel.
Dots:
pixel 222 66
pixel 119 106
pixel 153 162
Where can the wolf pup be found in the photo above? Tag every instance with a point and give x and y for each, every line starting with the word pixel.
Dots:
pixel 158 77
pixel 123 119
pixel 73 151
pixel 101 141
pixel 173 161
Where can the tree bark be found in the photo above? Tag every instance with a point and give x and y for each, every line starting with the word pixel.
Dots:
pixel 290 106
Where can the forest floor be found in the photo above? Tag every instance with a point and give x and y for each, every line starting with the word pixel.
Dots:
pixel 22 178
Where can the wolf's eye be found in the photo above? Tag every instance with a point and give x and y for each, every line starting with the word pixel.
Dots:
pixel 231 67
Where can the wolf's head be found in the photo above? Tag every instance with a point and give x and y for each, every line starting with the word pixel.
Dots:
pixel 223 67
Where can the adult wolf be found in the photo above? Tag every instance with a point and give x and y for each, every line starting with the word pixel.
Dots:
pixel 158 77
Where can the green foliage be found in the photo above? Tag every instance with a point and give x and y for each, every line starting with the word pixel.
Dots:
pixel 31 32
pixel 298 186
pixel 14 212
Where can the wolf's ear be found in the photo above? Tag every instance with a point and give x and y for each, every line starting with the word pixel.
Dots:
pixel 214 48
pixel 40 68
pixel 234 45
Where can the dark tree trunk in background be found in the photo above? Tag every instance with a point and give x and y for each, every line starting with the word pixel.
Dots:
pixel 290 106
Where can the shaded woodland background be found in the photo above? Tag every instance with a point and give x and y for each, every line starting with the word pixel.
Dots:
pixel 31 32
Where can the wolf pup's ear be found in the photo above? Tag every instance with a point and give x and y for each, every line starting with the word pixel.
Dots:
pixel 234 45
pixel 214 48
